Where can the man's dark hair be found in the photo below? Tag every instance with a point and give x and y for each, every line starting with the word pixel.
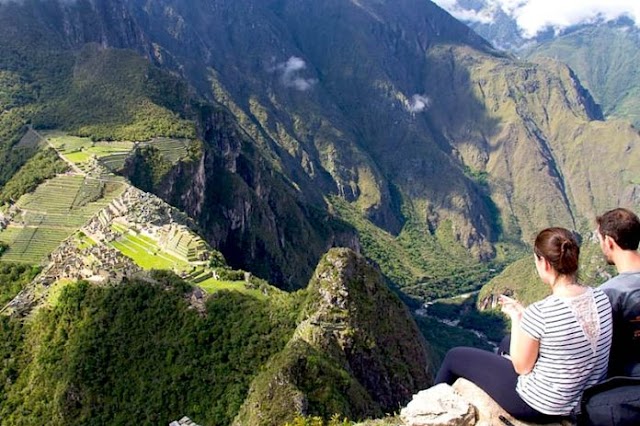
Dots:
pixel 622 225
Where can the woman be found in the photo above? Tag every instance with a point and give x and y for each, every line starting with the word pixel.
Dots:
pixel 559 345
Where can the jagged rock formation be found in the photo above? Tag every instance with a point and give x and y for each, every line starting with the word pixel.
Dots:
pixel 356 352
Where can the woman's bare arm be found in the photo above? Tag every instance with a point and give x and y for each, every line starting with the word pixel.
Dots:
pixel 524 349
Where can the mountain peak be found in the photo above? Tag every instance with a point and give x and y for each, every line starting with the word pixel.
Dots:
pixel 360 335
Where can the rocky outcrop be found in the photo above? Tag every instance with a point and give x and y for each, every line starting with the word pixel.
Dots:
pixel 463 404
pixel 254 216
pixel 439 406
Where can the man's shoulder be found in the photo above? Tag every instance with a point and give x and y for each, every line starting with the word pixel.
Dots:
pixel 626 281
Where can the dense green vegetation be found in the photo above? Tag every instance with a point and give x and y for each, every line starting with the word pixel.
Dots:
pixel 12 158
pixel 123 84
pixel 356 352
pixel 71 85
pixel 147 166
pixel 491 323
pixel 16 108
pixel 13 277
pixel 102 94
pixel 424 265
pixel 109 355
pixel 42 166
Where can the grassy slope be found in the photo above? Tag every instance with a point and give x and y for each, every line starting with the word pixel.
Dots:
pixel 104 94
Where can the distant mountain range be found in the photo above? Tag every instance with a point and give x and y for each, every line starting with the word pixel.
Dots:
pixel 602 53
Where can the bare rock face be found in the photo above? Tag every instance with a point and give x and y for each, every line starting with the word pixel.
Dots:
pixel 488 410
pixel 438 406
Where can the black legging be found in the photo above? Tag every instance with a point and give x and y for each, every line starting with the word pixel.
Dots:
pixel 495 375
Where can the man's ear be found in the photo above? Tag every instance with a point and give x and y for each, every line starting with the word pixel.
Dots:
pixel 610 243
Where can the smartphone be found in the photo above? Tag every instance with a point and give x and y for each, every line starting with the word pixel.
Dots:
pixel 505 421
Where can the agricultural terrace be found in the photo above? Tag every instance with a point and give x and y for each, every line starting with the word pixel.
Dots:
pixel 30 139
pixel 173 150
pixel 80 150
pixel 113 154
pixel 151 254
pixel 9 234
pixel 211 285
pixel 53 212
pixel 145 252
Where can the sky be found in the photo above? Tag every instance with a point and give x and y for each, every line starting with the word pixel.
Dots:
pixel 534 16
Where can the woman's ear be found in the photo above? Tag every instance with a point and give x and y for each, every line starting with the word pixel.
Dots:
pixel 547 265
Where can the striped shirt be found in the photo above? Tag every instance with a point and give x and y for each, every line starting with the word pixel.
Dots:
pixel 575 338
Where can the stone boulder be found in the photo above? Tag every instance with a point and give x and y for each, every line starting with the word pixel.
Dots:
pixel 488 410
pixel 438 406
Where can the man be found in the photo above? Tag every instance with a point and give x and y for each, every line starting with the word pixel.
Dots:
pixel 619 235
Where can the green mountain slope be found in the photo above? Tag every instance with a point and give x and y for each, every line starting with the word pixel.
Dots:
pixel 384 126
pixel 399 110
pixel 604 57
pixel 111 354
pixel 356 352
pixel 602 54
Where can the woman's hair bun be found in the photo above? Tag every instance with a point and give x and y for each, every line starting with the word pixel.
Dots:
pixel 560 247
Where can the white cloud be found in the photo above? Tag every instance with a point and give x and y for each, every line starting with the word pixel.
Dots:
pixel 533 16
pixel 290 74
pixel 483 16
pixel 418 103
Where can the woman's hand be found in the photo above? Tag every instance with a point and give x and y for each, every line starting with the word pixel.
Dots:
pixel 511 307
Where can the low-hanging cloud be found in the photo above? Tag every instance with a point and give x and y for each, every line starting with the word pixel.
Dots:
pixel 418 103
pixel 534 16
pixel 290 74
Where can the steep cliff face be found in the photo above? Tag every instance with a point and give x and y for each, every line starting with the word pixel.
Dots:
pixel 301 98
pixel 535 137
pixel 359 335
pixel 393 107
pixel 257 217
pixel 400 110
